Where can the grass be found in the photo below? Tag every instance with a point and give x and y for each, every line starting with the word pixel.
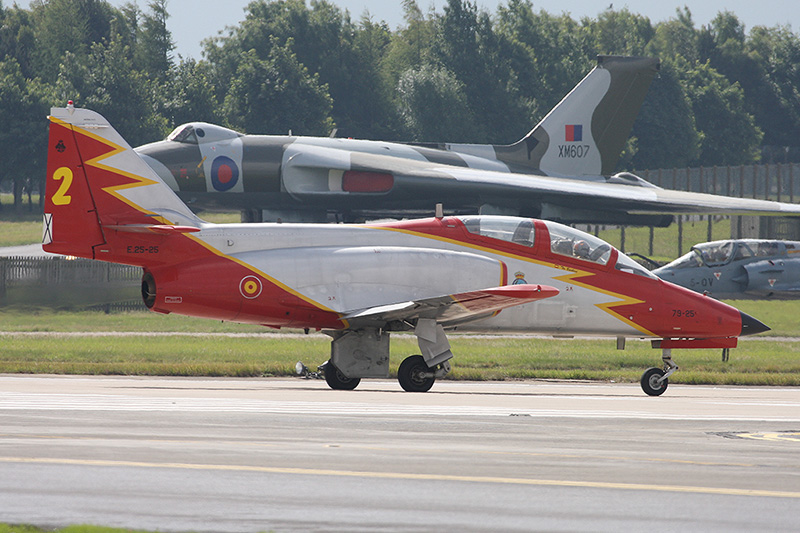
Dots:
pixel 755 362
pixel 264 352
pixel 665 240
pixel 22 227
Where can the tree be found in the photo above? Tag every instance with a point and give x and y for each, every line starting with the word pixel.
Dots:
pixel 548 54
pixel 191 95
pixel 730 135
pixel 23 105
pixel 107 82
pixel 777 106
pixel 676 37
pixel 755 66
pixel 154 46
pixel 433 105
pixel 411 46
pixel 467 46
pixel 17 39
pixel 665 128
pixel 277 95
pixel 63 26
pixel 620 32
pixel 371 113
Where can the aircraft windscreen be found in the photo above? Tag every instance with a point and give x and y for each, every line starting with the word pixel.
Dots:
pixel 201 133
pixel 626 264
pixel 510 229
pixel 574 243
pixel 183 134
pixel 715 253
pixel 689 260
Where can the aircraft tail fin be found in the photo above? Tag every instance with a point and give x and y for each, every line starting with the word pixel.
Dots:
pixel 585 133
pixel 98 189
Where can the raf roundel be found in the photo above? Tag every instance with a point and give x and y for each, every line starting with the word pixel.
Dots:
pixel 224 173
pixel 250 287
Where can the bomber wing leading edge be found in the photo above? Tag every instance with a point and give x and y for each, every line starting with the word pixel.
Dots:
pixel 561 170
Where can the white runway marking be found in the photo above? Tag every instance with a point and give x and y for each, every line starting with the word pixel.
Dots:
pixel 606 407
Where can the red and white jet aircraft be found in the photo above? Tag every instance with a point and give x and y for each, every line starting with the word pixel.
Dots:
pixel 359 283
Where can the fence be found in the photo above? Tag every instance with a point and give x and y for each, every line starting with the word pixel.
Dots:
pixel 66 282
pixel 779 181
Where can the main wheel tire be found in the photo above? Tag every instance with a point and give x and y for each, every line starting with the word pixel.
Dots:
pixel 650 384
pixel 410 375
pixel 338 381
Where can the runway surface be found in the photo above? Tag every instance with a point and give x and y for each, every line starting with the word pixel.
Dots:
pixel 292 455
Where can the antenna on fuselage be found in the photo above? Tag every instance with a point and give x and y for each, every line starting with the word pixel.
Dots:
pixel 439 211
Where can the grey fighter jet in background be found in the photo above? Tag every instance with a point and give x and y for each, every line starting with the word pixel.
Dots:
pixel 561 170
pixel 745 269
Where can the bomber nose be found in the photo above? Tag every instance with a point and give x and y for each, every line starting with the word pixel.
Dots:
pixel 751 326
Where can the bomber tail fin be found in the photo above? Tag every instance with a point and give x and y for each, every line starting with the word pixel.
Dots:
pixel 98 188
pixel 585 133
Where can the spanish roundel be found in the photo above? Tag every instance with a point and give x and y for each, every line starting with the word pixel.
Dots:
pixel 224 173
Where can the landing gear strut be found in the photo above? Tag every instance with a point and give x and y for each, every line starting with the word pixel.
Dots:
pixel 655 380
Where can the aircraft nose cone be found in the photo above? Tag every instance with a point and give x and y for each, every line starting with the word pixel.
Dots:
pixel 751 326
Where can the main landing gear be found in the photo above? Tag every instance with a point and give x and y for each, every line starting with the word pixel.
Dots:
pixel 364 353
pixel 655 380
pixel 336 380
pixel 414 375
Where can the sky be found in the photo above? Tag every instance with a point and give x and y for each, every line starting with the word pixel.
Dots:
pixel 191 21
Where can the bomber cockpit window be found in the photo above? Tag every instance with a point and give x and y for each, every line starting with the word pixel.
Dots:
pixel 574 243
pixel 510 229
pixel 183 134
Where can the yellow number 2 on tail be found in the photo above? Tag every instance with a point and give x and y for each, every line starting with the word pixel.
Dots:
pixel 63 174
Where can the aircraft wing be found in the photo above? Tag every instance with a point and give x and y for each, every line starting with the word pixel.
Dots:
pixel 311 174
pixel 451 308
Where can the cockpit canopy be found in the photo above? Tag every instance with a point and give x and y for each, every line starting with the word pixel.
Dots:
pixel 718 253
pixel 564 240
pixel 200 133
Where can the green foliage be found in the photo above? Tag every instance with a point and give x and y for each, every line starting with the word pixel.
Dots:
pixel 729 133
pixel 754 362
pixel 433 105
pixel 665 128
pixel 277 95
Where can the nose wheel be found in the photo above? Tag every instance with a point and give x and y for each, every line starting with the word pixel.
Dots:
pixel 655 380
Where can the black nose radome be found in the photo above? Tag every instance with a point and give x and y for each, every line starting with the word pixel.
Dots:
pixel 751 326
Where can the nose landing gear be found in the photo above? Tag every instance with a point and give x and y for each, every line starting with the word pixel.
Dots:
pixel 655 380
